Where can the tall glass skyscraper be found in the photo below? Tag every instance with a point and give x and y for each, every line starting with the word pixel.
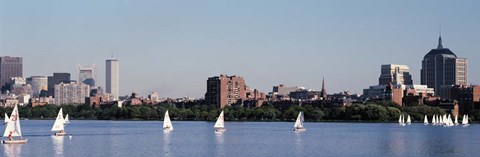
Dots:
pixel 112 78
pixel 9 67
pixel 441 69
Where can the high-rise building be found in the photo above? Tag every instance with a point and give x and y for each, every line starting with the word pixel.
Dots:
pixel 395 74
pixel 38 84
pixel 87 75
pixel 225 90
pixel 442 69
pixel 9 67
pixel 112 78
pixel 71 93
pixel 56 79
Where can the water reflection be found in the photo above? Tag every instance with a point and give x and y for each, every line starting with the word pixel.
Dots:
pixel 166 143
pixel 58 145
pixel 12 150
pixel 298 144
pixel 220 140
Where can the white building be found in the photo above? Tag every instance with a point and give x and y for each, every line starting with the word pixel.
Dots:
pixel 71 93
pixel 38 83
pixel 87 75
pixel 112 78
pixel 285 90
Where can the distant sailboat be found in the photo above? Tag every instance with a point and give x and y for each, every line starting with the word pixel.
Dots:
pixel 298 126
pixel 456 119
pixel 13 129
pixel 433 120
pixel 59 124
pixel 448 121
pixel 425 120
pixel 220 124
pixel 66 119
pixel 408 120
pixel 6 119
pixel 465 120
pixel 401 120
pixel 167 124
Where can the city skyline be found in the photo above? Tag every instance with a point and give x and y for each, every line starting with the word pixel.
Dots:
pixel 174 50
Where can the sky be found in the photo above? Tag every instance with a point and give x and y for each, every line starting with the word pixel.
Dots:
pixel 172 47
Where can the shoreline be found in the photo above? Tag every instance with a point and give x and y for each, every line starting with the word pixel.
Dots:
pixel 327 121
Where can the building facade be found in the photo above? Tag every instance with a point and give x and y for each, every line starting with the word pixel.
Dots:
pixel 112 78
pixel 441 67
pixel 388 72
pixel 71 93
pixel 38 84
pixel 9 67
pixel 87 75
pixel 225 90
pixel 56 79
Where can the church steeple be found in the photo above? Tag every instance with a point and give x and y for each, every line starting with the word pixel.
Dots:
pixel 324 91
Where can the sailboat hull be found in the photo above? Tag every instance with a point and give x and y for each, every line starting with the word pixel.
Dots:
pixel 220 129
pixel 60 134
pixel 167 129
pixel 299 129
pixel 15 141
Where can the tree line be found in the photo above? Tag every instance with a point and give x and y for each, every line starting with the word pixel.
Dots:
pixel 375 112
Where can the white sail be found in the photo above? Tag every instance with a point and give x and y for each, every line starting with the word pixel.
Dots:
pixel 425 120
pixel 403 119
pixel 456 119
pixel 59 122
pixel 167 124
pixel 13 125
pixel 463 120
pixel 466 120
pixel 408 120
pixel 299 121
pixel 400 119
pixel 220 122
pixel 66 119
pixel 6 118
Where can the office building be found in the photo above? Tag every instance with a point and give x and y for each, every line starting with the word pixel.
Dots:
pixel 9 67
pixel 112 78
pixel 442 69
pixel 71 93
pixel 38 84
pixel 87 75
pixel 56 79
pixel 388 72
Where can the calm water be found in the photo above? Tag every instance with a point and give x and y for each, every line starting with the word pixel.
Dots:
pixel 146 138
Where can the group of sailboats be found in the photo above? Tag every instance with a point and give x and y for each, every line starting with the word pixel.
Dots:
pixel 446 120
pixel 13 130
pixel 220 123
pixel 401 120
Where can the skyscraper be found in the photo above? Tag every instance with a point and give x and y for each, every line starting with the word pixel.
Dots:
pixel 395 74
pixel 442 69
pixel 71 93
pixel 38 84
pixel 112 78
pixel 9 67
pixel 56 79
pixel 87 75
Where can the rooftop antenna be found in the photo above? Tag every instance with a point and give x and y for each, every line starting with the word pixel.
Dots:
pixel 440 46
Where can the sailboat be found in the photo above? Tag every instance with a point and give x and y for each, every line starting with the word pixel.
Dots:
pixel 408 120
pixel 6 119
pixel 456 119
pixel 298 126
pixel 59 124
pixel 465 120
pixel 13 129
pixel 448 122
pixel 425 120
pixel 433 120
pixel 66 119
pixel 220 124
pixel 167 124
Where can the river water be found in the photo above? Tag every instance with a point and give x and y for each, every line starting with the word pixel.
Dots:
pixel 146 138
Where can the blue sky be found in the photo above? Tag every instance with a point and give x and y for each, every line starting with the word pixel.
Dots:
pixel 173 46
